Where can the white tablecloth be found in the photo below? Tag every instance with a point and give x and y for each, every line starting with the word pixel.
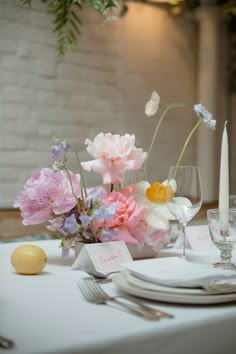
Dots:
pixel 47 314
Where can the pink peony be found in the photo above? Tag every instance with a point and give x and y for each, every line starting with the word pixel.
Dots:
pixel 127 217
pixel 46 193
pixel 114 155
pixel 157 238
pixel 142 231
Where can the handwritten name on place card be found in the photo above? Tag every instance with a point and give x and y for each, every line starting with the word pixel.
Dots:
pixel 108 256
pixel 199 238
pixel 102 258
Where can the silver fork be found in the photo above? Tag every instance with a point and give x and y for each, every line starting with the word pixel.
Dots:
pixel 92 293
pixel 97 289
pixel 152 310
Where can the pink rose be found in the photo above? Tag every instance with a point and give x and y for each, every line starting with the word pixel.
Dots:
pixel 127 217
pixel 114 155
pixel 46 193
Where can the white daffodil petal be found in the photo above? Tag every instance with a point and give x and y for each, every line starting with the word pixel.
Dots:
pixel 164 211
pixel 140 194
pixel 155 219
pixel 142 199
pixel 172 183
pixel 141 187
pixel 182 201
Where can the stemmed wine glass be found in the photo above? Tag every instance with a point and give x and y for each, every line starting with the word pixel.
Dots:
pixel 184 195
pixel 222 227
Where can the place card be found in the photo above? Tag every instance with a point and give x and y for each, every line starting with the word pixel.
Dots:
pixel 199 239
pixel 102 258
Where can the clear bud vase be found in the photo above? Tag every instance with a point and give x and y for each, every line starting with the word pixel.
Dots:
pixel 133 176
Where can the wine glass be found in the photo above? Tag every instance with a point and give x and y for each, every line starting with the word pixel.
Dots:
pixel 222 227
pixel 184 196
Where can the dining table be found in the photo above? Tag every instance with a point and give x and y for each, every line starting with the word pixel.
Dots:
pixel 47 314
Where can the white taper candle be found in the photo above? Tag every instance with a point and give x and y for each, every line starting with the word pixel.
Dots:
pixel 224 180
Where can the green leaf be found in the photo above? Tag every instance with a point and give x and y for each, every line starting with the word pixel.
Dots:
pixel 124 10
pixel 73 14
pixel 74 25
pixel 67 23
pixel 26 2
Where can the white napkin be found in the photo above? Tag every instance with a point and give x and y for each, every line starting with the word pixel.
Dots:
pixel 176 272
pixel 220 283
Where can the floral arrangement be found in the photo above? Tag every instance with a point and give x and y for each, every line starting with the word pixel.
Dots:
pixel 135 213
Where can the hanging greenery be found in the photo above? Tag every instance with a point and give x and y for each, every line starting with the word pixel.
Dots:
pixel 67 23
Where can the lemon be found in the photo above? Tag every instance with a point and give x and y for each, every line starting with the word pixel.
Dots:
pixel 28 259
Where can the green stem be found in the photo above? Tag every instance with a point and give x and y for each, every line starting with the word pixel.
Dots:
pixel 186 143
pixel 156 130
pixel 72 189
pixel 83 189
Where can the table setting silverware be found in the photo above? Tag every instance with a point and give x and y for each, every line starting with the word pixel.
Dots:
pixel 6 343
pixel 94 295
pixel 93 292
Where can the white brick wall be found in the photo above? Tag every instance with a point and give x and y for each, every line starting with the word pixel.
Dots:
pixel 102 86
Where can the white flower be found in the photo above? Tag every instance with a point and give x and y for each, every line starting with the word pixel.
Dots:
pixel 206 116
pixel 157 214
pixel 152 105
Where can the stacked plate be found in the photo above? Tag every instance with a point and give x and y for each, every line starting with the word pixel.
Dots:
pixel 175 280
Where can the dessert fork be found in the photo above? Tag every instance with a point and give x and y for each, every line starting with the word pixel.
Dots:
pixel 152 310
pixel 92 292
pixel 96 289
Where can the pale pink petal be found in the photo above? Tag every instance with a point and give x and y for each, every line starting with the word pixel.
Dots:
pixel 157 238
pixel 114 155
pixel 125 235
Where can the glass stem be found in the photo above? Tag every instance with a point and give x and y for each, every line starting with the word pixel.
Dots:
pixel 226 255
pixel 183 231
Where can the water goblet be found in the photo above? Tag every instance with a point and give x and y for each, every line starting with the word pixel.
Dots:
pixel 222 228
pixel 184 196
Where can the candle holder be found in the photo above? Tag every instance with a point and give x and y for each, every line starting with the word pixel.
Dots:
pixel 222 227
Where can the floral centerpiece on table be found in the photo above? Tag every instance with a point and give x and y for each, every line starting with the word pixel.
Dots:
pixel 135 213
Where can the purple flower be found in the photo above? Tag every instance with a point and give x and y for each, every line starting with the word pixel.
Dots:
pixel 85 219
pixel 96 193
pixel 70 225
pixel 206 116
pixel 56 152
pixel 60 148
pixel 108 235
pixel 65 146
pixel 105 212
pixel 65 226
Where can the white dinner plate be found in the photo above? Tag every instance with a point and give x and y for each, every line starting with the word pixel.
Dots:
pixel 143 284
pixel 166 294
